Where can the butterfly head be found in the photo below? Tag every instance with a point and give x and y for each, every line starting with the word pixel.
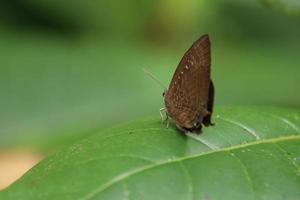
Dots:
pixel 164 93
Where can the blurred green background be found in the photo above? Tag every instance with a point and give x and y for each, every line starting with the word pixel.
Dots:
pixel 68 68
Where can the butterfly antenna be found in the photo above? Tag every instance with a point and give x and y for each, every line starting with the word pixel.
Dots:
pixel 154 78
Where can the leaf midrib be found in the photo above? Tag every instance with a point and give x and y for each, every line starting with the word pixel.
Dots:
pixel 158 164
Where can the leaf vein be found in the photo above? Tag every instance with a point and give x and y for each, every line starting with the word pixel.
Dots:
pixel 199 139
pixel 291 124
pixel 293 163
pixel 244 127
pixel 245 170
pixel 135 171
pixel 126 192
pixel 189 180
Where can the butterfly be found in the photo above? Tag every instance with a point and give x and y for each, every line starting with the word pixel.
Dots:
pixel 190 96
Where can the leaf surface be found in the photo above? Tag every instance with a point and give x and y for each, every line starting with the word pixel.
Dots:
pixel 250 153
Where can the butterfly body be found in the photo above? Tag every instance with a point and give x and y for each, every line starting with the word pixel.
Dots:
pixel 189 98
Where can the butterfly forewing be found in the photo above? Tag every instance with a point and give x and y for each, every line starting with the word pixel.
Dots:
pixel 187 96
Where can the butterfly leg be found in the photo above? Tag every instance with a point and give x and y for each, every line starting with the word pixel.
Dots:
pixel 197 129
pixel 164 118
pixel 161 114
pixel 167 120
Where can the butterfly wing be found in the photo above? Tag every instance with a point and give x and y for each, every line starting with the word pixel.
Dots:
pixel 187 97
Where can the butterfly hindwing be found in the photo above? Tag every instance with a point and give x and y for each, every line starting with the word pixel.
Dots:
pixel 187 97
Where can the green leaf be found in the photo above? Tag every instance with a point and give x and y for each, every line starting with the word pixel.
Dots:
pixel 289 6
pixel 250 153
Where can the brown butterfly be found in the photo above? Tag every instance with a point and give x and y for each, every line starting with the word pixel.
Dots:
pixel 190 97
